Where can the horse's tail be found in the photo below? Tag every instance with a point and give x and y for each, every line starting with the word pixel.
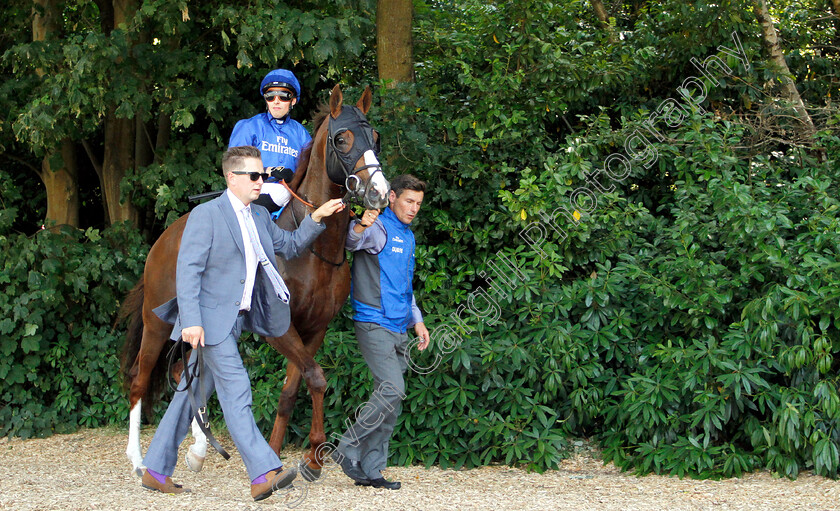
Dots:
pixel 132 312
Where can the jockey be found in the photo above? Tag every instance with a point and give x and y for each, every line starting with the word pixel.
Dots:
pixel 279 138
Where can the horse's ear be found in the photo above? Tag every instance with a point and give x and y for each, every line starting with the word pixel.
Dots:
pixel 365 101
pixel 335 102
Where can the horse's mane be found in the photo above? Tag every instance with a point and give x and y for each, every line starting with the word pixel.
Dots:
pixel 303 163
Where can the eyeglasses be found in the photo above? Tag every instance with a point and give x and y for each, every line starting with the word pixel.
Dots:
pixel 253 175
pixel 283 95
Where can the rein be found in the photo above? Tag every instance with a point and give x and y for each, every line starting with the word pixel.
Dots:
pixel 311 248
pixel 296 196
pixel 201 416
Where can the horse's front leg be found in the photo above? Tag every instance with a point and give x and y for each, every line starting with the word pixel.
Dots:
pixel 313 461
pixel 298 356
pixel 316 382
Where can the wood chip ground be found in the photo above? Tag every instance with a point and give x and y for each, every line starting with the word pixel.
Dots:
pixel 89 471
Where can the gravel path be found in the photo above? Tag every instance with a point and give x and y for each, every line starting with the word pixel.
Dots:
pixel 88 470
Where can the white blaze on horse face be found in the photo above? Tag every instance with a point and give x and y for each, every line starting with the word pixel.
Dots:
pixel 133 450
pixel 380 184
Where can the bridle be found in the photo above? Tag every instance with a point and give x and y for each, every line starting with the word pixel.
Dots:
pixel 341 165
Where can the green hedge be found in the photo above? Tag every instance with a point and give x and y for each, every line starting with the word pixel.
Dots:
pixel 689 322
pixel 59 368
pixel 701 340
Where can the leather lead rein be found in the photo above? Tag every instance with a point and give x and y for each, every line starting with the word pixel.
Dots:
pixel 201 416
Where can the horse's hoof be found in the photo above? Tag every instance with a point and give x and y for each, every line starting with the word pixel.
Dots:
pixel 309 474
pixel 138 471
pixel 194 461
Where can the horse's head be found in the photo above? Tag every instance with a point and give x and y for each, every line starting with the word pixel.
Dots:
pixel 352 149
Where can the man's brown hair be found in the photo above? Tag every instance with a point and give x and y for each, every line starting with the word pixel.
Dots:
pixel 407 182
pixel 234 158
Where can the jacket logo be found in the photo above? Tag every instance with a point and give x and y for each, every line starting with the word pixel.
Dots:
pixel 398 250
pixel 279 147
pixel 397 239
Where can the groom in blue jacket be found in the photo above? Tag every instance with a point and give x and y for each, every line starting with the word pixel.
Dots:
pixel 384 309
pixel 227 281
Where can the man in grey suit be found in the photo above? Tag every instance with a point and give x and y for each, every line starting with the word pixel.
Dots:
pixel 225 283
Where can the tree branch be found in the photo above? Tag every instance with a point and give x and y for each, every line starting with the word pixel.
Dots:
pixel 23 162
pixel 97 165
pixel 771 43
pixel 603 17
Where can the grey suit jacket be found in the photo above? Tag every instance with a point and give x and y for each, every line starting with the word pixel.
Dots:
pixel 210 276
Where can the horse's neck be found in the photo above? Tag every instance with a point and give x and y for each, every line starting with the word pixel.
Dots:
pixel 318 189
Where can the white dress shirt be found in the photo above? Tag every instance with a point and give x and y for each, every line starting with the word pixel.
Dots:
pixel 250 255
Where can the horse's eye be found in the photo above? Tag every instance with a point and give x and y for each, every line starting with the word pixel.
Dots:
pixel 343 140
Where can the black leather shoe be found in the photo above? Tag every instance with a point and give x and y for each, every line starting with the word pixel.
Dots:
pixel 351 468
pixel 381 482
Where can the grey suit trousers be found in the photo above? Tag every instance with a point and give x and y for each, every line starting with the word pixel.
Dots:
pixel 368 438
pixel 224 372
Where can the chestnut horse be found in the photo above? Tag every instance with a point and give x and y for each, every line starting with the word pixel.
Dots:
pixel 341 160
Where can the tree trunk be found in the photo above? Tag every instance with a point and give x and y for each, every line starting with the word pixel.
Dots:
pixel 164 124
pixel 62 187
pixel 771 43
pixel 394 50
pixel 120 141
pixel 62 182
pixel 601 12
pixel 118 159
pixel 44 21
pixel 143 143
pixel 164 131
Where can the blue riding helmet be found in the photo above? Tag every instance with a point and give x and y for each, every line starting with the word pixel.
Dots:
pixel 281 78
